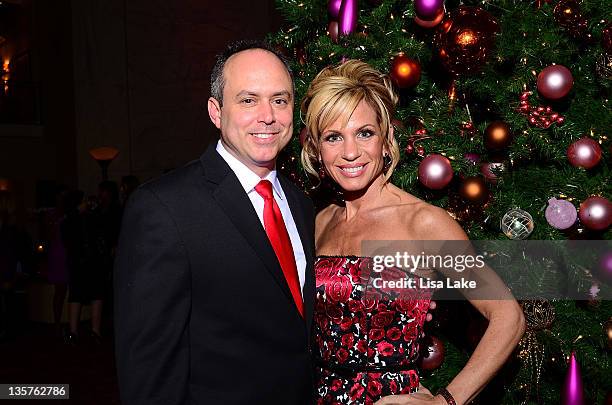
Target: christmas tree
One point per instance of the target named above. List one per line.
(503, 122)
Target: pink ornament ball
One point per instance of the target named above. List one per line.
(596, 213)
(435, 171)
(555, 82)
(585, 152)
(560, 214)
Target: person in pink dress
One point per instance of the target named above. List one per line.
(366, 339)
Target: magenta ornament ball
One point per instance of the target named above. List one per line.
(472, 157)
(560, 214)
(427, 9)
(596, 213)
(585, 152)
(333, 8)
(332, 31)
(555, 82)
(435, 171)
(573, 391)
(347, 17)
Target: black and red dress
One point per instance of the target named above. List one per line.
(366, 335)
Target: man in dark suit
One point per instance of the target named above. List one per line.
(214, 283)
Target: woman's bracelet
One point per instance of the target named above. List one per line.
(447, 396)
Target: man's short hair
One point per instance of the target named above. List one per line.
(217, 81)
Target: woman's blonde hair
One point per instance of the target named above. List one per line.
(335, 92)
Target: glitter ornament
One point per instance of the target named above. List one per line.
(465, 38)
(560, 214)
(517, 224)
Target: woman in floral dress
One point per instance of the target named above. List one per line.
(366, 337)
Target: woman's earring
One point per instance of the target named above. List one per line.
(321, 170)
(386, 161)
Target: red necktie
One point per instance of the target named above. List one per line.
(279, 238)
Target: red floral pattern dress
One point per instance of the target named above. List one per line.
(366, 338)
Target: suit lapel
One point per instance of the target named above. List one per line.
(232, 199)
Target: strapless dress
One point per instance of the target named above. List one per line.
(366, 337)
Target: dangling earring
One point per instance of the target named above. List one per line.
(321, 170)
(386, 162)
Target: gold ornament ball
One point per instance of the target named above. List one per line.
(405, 71)
(497, 136)
(474, 190)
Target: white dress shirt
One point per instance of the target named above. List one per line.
(248, 179)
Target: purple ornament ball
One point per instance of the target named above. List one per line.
(560, 214)
(555, 82)
(596, 213)
(605, 268)
(333, 8)
(435, 171)
(427, 9)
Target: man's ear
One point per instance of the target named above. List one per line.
(214, 111)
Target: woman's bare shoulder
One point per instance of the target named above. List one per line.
(434, 223)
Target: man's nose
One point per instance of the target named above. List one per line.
(266, 113)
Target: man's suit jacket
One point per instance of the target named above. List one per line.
(203, 314)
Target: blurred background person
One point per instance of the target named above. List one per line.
(93, 235)
(128, 185)
(57, 271)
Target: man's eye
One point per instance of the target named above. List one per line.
(248, 101)
(281, 101)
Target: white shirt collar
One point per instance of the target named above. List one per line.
(247, 178)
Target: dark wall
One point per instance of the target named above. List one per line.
(142, 71)
(133, 74)
(39, 47)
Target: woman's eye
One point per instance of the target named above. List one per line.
(332, 138)
(365, 134)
